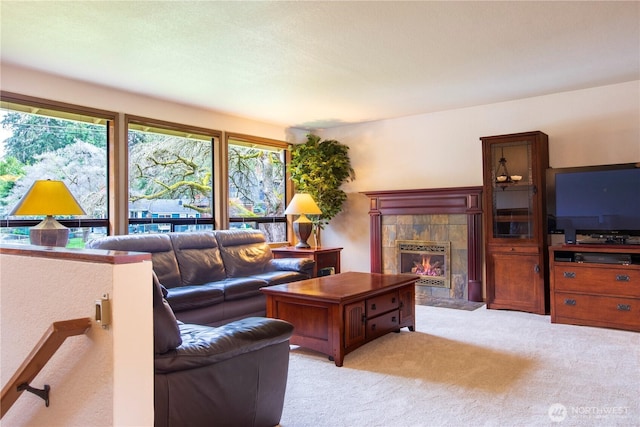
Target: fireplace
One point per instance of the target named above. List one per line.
(429, 260)
(439, 214)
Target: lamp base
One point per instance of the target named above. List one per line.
(49, 233)
(303, 231)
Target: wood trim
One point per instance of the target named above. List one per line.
(48, 104)
(116, 175)
(172, 126)
(474, 257)
(221, 183)
(458, 200)
(283, 145)
(52, 339)
(86, 255)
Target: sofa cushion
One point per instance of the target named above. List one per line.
(190, 297)
(244, 252)
(166, 334)
(165, 264)
(242, 287)
(198, 257)
(278, 277)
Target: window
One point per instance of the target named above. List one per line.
(170, 176)
(167, 177)
(257, 184)
(48, 140)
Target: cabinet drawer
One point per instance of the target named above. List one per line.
(624, 312)
(382, 324)
(382, 303)
(514, 249)
(614, 280)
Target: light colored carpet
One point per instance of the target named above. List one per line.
(473, 368)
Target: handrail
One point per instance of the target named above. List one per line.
(52, 339)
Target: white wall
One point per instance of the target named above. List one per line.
(101, 378)
(586, 127)
(56, 88)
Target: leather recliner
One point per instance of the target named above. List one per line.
(231, 375)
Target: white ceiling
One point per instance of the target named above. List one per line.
(317, 64)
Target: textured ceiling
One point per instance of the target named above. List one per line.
(318, 64)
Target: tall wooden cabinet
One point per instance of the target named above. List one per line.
(514, 169)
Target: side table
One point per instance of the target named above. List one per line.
(324, 257)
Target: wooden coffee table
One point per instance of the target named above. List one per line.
(338, 313)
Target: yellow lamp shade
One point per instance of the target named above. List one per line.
(46, 197)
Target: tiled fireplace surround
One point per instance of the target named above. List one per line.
(445, 214)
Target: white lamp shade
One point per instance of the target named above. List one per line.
(302, 204)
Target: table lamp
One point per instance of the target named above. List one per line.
(302, 204)
(47, 197)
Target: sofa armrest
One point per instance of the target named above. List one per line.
(205, 345)
(301, 265)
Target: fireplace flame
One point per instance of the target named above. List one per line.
(426, 268)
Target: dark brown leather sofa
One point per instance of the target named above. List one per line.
(212, 277)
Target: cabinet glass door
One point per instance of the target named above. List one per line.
(512, 190)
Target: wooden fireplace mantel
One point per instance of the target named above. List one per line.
(458, 200)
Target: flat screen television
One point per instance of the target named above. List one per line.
(600, 204)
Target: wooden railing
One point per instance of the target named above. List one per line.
(53, 338)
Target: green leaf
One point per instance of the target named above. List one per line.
(320, 168)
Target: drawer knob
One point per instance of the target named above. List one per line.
(373, 306)
(624, 307)
(569, 275)
(393, 319)
(622, 278)
(569, 301)
(393, 300)
(373, 327)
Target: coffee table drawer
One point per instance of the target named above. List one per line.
(382, 324)
(382, 304)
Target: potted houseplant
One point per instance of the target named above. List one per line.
(320, 168)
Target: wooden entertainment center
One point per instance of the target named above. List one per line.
(595, 285)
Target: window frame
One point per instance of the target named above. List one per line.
(178, 129)
(69, 111)
(117, 221)
(288, 189)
